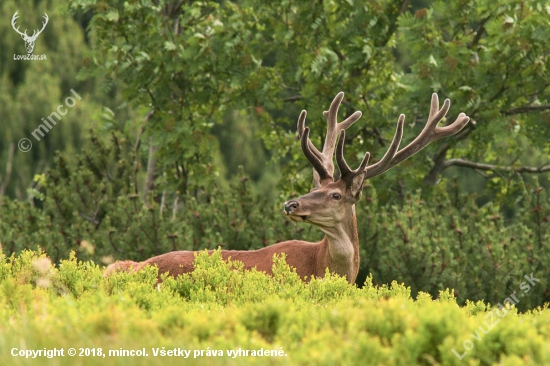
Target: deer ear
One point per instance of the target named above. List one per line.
(357, 185)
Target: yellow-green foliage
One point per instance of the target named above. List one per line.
(220, 307)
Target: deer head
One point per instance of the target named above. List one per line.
(332, 201)
(29, 40)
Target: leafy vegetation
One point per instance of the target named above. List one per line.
(185, 139)
(430, 242)
(220, 307)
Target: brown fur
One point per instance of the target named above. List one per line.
(301, 255)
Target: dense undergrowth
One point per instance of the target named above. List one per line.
(429, 240)
(221, 308)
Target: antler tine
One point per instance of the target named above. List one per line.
(46, 18)
(380, 167)
(346, 173)
(430, 132)
(333, 127)
(310, 148)
(301, 128)
(37, 32)
(13, 20)
(323, 175)
(332, 123)
(325, 157)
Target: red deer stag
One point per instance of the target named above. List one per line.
(330, 205)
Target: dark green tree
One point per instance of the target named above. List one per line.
(31, 91)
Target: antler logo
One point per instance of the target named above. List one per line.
(29, 40)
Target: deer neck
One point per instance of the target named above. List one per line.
(341, 248)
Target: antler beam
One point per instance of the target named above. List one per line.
(431, 132)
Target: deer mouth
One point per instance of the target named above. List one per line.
(298, 218)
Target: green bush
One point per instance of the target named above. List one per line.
(325, 322)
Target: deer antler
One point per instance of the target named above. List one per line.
(431, 132)
(346, 174)
(323, 161)
(24, 34)
(13, 19)
(43, 26)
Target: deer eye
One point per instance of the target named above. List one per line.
(336, 196)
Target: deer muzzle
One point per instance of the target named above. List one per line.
(290, 210)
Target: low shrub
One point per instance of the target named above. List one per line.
(220, 317)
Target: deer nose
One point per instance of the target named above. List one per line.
(291, 206)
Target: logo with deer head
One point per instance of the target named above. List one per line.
(29, 40)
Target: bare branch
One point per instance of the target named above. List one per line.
(142, 129)
(480, 166)
(526, 109)
(479, 32)
(293, 98)
(151, 164)
(151, 169)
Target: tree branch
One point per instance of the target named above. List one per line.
(151, 168)
(293, 98)
(151, 163)
(526, 109)
(479, 32)
(439, 165)
(480, 166)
